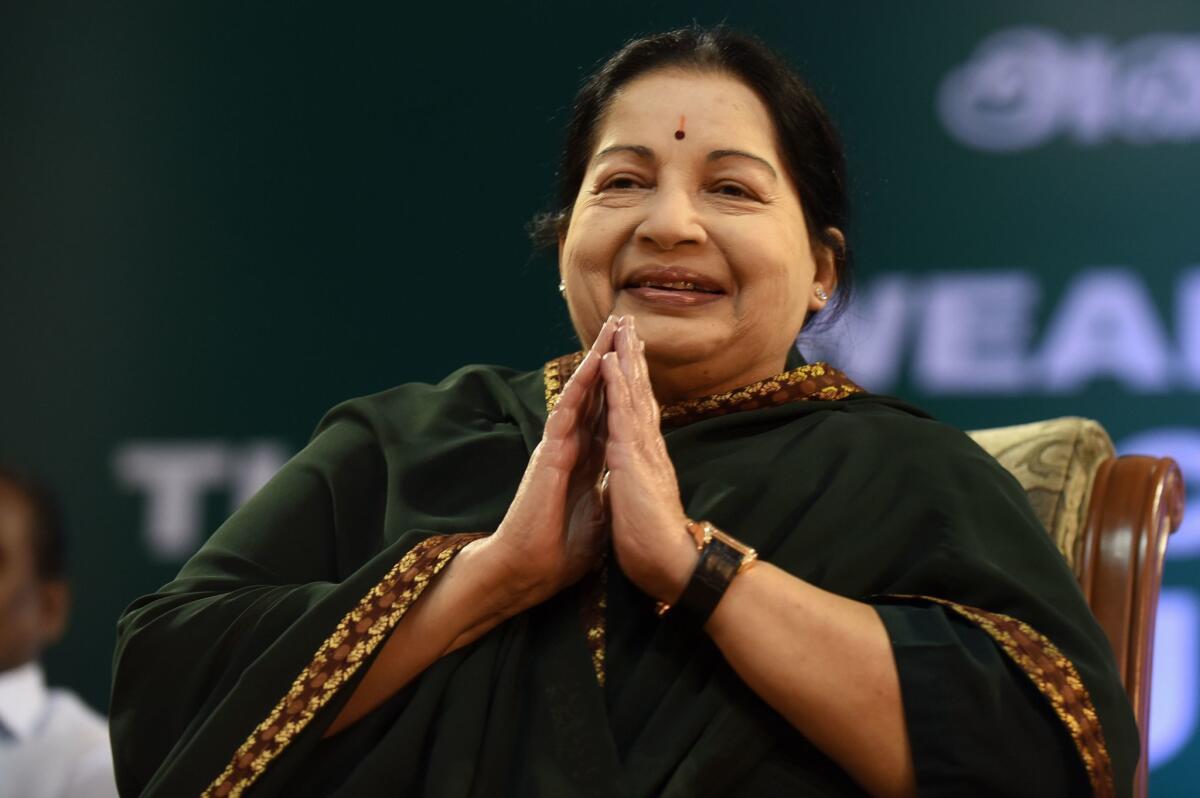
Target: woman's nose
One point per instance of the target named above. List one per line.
(671, 219)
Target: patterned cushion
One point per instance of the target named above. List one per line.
(1055, 461)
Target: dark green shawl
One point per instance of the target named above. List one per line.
(229, 674)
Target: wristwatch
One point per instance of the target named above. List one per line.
(704, 532)
(722, 557)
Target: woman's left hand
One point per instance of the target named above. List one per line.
(649, 530)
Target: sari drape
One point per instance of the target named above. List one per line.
(226, 678)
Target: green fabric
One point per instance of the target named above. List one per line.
(863, 497)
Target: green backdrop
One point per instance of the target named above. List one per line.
(217, 221)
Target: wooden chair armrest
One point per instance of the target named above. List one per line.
(1136, 503)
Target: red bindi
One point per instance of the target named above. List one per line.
(679, 134)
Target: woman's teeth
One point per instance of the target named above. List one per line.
(675, 286)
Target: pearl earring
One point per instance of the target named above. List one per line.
(562, 288)
(821, 295)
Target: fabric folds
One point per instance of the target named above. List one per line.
(861, 495)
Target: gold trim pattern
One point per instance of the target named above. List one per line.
(595, 606)
(815, 381)
(357, 635)
(554, 379)
(1055, 677)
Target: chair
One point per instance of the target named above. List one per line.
(1110, 517)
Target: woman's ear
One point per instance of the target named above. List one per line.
(562, 242)
(828, 253)
(562, 273)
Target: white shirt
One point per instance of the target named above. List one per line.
(52, 745)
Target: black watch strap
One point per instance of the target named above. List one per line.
(718, 564)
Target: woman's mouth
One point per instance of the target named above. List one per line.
(678, 293)
(673, 286)
(678, 285)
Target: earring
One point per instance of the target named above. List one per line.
(821, 295)
(562, 288)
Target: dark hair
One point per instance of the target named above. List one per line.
(49, 537)
(809, 142)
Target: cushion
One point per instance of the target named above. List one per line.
(1056, 462)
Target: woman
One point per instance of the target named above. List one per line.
(454, 592)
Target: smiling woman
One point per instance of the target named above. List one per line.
(657, 219)
(750, 208)
(496, 585)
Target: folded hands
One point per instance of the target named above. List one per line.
(601, 472)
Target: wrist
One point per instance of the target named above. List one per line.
(505, 588)
(721, 557)
(664, 570)
(679, 566)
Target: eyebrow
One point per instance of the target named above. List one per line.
(716, 155)
(636, 149)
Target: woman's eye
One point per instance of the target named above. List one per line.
(731, 190)
(619, 183)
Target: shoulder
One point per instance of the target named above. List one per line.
(69, 756)
(471, 397)
(79, 736)
(893, 442)
(901, 429)
(69, 717)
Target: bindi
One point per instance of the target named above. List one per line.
(679, 134)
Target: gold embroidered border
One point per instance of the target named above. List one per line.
(357, 635)
(1056, 678)
(555, 375)
(595, 605)
(815, 381)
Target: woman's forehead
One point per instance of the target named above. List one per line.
(715, 110)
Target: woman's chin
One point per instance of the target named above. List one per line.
(676, 342)
(678, 336)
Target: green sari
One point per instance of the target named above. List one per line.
(226, 678)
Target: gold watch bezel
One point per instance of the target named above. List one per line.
(707, 532)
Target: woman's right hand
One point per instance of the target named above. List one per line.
(556, 528)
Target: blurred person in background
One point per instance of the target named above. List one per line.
(51, 743)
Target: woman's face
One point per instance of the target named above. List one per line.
(699, 236)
